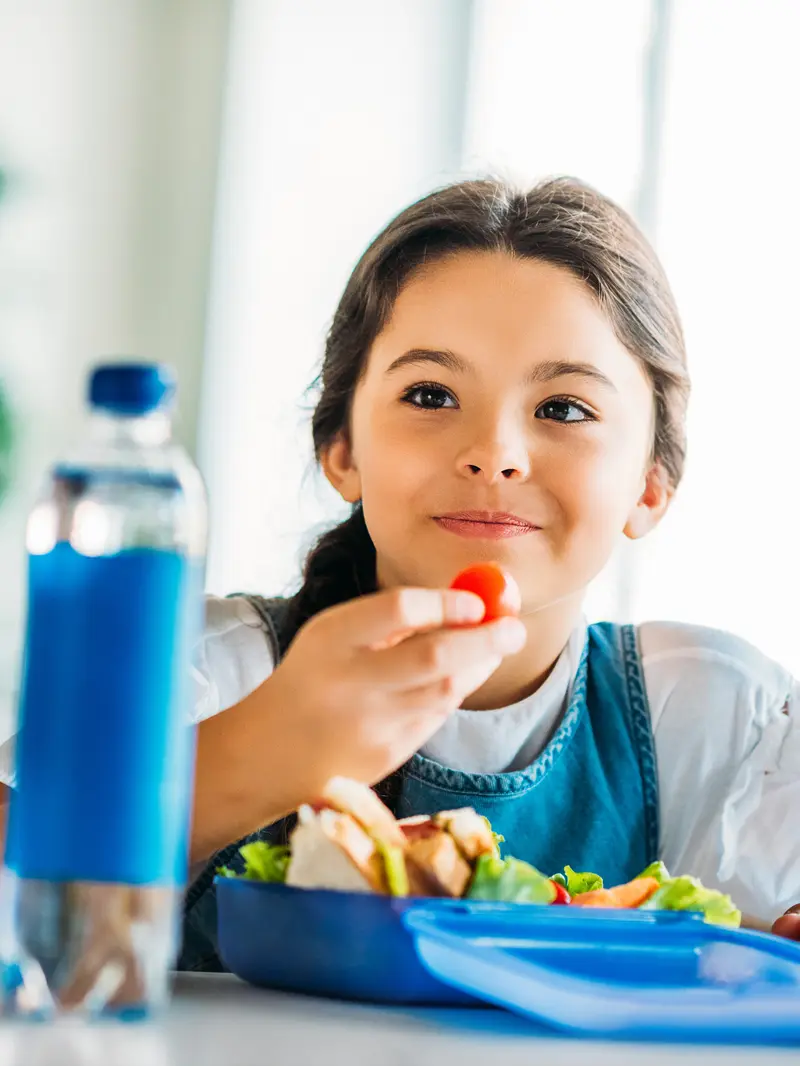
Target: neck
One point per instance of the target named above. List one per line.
(520, 675)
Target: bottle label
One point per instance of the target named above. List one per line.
(105, 745)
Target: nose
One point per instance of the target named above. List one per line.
(498, 453)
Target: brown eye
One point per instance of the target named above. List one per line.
(563, 411)
(429, 397)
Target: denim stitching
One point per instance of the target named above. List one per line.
(642, 724)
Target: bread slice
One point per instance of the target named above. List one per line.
(366, 807)
(330, 850)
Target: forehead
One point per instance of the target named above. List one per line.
(505, 308)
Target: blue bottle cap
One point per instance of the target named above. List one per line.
(131, 389)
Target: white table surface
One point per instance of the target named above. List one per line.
(218, 1021)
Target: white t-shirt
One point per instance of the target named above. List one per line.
(726, 723)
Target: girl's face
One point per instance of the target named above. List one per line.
(499, 418)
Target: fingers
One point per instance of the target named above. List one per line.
(788, 925)
(425, 709)
(458, 654)
(446, 694)
(375, 620)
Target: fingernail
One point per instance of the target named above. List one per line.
(466, 607)
(509, 635)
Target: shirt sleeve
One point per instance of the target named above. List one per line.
(231, 659)
(726, 723)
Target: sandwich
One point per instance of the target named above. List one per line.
(350, 841)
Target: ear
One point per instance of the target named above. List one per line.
(338, 466)
(652, 505)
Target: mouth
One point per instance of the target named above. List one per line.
(486, 525)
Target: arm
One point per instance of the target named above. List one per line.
(727, 729)
(245, 777)
(773, 821)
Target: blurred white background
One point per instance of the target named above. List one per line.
(192, 180)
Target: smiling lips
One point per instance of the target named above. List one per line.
(486, 525)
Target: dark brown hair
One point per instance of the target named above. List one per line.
(561, 221)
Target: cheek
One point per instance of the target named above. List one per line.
(593, 492)
(596, 482)
(395, 464)
(397, 472)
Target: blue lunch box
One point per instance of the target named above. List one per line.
(647, 975)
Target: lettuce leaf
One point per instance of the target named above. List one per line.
(262, 862)
(688, 894)
(657, 870)
(581, 882)
(509, 880)
(394, 863)
(498, 839)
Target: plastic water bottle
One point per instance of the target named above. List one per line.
(97, 849)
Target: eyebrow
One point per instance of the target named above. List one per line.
(418, 356)
(559, 368)
(548, 370)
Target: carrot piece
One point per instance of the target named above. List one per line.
(635, 893)
(627, 897)
(598, 897)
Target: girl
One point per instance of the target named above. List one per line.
(504, 379)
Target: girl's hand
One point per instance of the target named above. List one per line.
(361, 688)
(788, 925)
(366, 683)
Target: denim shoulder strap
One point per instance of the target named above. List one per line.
(273, 613)
(619, 643)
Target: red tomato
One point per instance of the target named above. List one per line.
(562, 896)
(497, 588)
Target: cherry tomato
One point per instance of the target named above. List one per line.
(562, 896)
(497, 588)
